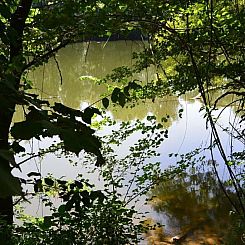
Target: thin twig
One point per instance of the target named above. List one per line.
(46, 55)
(59, 70)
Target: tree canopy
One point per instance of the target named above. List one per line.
(193, 44)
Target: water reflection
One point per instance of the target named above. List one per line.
(167, 106)
(82, 59)
(212, 96)
(96, 60)
(193, 207)
(187, 205)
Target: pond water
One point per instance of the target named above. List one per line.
(176, 205)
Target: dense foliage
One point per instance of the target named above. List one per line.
(193, 45)
(196, 45)
(86, 216)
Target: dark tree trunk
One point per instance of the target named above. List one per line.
(6, 210)
(6, 114)
(6, 204)
(7, 100)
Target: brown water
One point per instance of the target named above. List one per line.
(183, 211)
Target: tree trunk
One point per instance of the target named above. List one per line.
(6, 210)
(7, 100)
(6, 203)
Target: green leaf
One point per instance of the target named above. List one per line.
(3, 35)
(5, 10)
(62, 209)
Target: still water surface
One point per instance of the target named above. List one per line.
(176, 206)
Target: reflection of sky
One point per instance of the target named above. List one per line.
(191, 132)
(185, 135)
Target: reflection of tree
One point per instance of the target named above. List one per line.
(82, 60)
(19, 114)
(93, 59)
(166, 106)
(212, 96)
(192, 202)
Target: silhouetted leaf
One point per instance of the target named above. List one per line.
(26, 130)
(5, 10)
(85, 198)
(49, 181)
(9, 185)
(100, 161)
(38, 186)
(33, 174)
(79, 184)
(9, 156)
(89, 113)
(122, 99)
(69, 205)
(105, 102)
(36, 115)
(134, 85)
(47, 222)
(115, 95)
(97, 195)
(67, 111)
(17, 148)
(62, 209)
(126, 91)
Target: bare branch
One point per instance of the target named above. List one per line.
(58, 67)
(48, 54)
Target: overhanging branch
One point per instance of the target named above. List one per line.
(45, 56)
